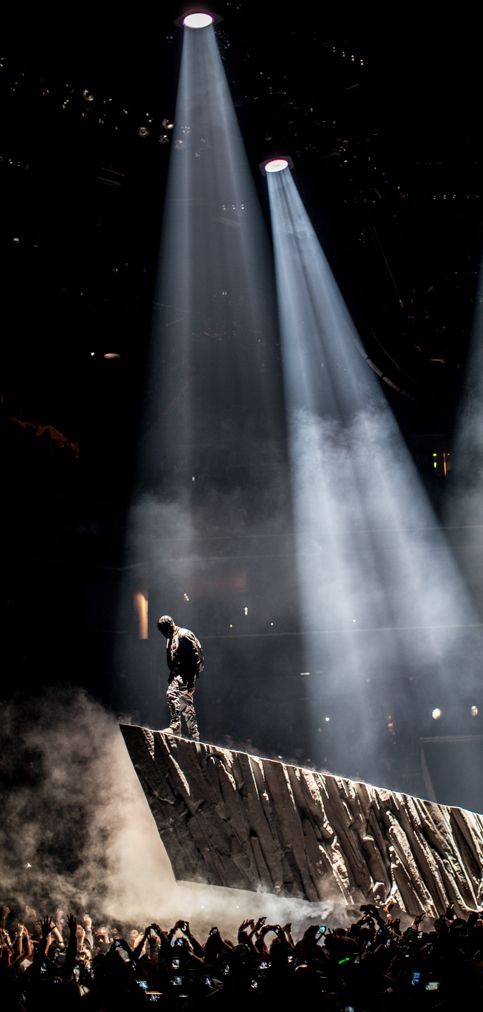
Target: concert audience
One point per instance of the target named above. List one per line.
(62, 962)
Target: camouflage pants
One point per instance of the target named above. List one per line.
(180, 703)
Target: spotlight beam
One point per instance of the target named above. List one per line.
(212, 455)
(352, 481)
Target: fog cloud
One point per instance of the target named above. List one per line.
(77, 830)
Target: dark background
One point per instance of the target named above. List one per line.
(383, 127)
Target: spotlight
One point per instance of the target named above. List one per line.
(195, 17)
(277, 164)
(198, 20)
(436, 713)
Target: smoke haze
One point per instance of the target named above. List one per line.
(77, 830)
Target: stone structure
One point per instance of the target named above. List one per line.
(232, 819)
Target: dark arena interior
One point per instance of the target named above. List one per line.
(241, 386)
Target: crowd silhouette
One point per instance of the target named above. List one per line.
(59, 961)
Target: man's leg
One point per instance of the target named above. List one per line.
(187, 708)
(173, 699)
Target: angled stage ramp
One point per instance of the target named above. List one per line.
(231, 819)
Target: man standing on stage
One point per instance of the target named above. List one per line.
(185, 662)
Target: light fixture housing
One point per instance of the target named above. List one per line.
(276, 163)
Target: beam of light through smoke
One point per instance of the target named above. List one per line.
(212, 362)
(380, 591)
(464, 505)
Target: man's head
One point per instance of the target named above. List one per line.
(166, 626)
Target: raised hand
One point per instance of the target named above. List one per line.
(243, 936)
(46, 926)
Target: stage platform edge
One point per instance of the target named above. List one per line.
(228, 818)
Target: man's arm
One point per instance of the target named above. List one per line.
(71, 951)
(191, 657)
(195, 945)
(46, 925)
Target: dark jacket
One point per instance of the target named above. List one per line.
(184, 656)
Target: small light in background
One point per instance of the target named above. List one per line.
(186, 597)
(474, 711)
(245, 610)
(141, 613)
(436, 713)
(111, 354)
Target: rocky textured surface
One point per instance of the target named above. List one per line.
(232, 819)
